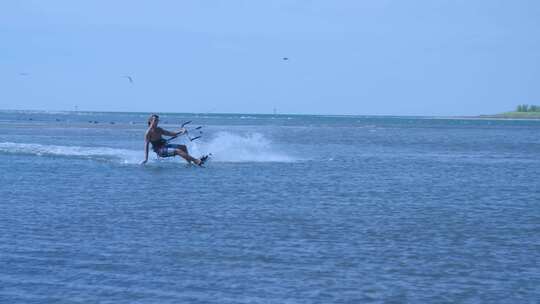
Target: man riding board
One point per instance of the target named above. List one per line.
(161, 147)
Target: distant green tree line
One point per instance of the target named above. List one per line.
(527, 108)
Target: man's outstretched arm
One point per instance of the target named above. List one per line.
(146, 148)
(169, 133)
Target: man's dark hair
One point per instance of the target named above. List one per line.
(150, 118)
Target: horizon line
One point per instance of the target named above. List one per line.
(245, 113)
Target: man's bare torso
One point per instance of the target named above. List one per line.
(154, 134)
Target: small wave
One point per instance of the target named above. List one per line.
(40, 112)
(97, 153)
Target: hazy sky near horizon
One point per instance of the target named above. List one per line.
(430, 57)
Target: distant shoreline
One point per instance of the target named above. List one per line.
(483, 117)
(514, 115)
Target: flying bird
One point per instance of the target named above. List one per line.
(129, 78)
(23, 74)
(285, 58)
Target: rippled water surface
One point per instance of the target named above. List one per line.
(291, 209)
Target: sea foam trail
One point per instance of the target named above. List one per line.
(230, 147)
(97, 153)
(224, 146)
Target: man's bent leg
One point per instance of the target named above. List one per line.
(183, 148)
(180, 152)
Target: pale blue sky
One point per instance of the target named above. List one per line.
(345, 57)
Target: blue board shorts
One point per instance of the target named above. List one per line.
(167, 150)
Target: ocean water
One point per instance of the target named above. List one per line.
(290, 209)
